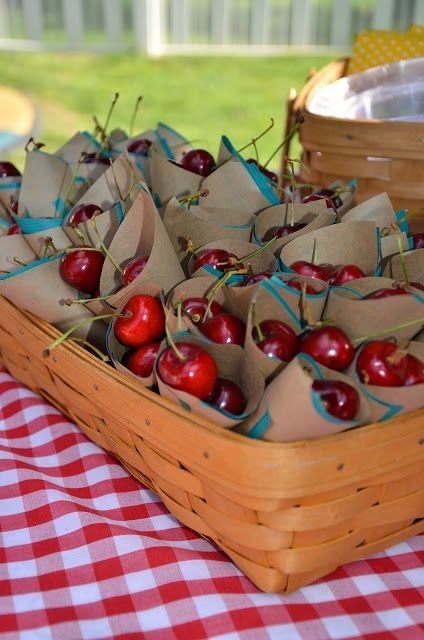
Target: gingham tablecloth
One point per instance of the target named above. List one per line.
(87, 553)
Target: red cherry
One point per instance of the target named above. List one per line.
(333, 201)
(280, 341)
(145, 321)
(297, 284)
(344, 274)
(133, 268)
(418, 240)
(7, 169)
(194, 372)
(287, 229)
(417, 285)
(218, 259)
(382, 363)
(94, 156)
(141, 360)
(330, 204)
(140, 147)
(198, 161)
(271, 175)
(386, 293)
(339, 398)
(228, 397)
(82, 268)
(305, 268)
(13, 229)
(195, 308)
(414, 371)
(82, 213)
(329, 346)
(224, 329)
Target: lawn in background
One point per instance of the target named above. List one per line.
(202, 97)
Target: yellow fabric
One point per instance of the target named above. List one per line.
(373, 48)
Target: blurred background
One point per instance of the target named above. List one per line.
(205, 67)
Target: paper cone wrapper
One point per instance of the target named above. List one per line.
(116, 350)
(5, 223)
(85, 174)
(347, 243)
(388, 402)
(81, 142)
(377, 318)
(233, 363)
(38, 288)
(141, 161)
(389, 246)
(378, 209)
(226, 216)
(177, 144)
(263, 261)
(9, 191)
(142, 233)
(414, 262)
(291, 410)
(347, 197)
(182, 223)
(45, 183)
(314, 214)
(419, 337)
(168, 179)
(37, 241)
(107, 224)
(12, 247)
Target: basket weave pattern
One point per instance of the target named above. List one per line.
(286, 514)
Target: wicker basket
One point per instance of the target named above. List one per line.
(382, 155)
(286, 514)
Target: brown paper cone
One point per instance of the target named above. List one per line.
(233, 363)
(290, 409)
(168, 179)
(314, 214)
(387, 402)
(107, 224)
(263, 261)
(175, 142)
(378, 209)
(419, 337)
(182, 223)
(41, 245)
(389, 245)
(377, 318)
(346, 197)
(347, 243)
(227, 216)
(81, 142)
(9, 191)
(12, 247)
(414, 262)
(142, 233)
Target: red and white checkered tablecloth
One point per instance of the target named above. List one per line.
(88, 553)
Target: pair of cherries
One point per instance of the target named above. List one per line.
(330, 273)
(214, 321)
(382, 363)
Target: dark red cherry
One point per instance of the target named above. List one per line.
(387, 292)
(141, 361)
(287, 229)
(224, 328)
(271, 175)
(418, 240)
(279, 339)
(198, 161)
(305, 268)
(414, 371)
(195, 307)
(7, 169)
(14, 205)
(382, 363)
(133, 268)
(329, 346)
(83, 212)
(94, 156)
(190, 369)
(297, 284)
(344, 274)
(81, 268)
(140, 147)
(218, 259)
(13, 229)
(339, 398)
(228, 397)
(142, 321)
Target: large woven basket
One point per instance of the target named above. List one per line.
(286, 514)
(382, 155)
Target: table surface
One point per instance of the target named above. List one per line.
(86, 552)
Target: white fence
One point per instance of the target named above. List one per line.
(160, 27)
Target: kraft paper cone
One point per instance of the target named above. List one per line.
(314, 214)
(263, 261)
(233, 363)
(389, 246)
(142, 233)
(291, 410)
(141, 161)
(81, 142)
(9, 191)
(419, 337)
(378, 209)
(45, 185)
(414, 262)
(115, 349)
(360, 318)
(387, 402)
(168, 179)
(38, 288)
(41, 245)
(347, 243)
(227, 216)
(107, 224)
(182, 223)
(346, 197)
(12, 247)
(177, 144)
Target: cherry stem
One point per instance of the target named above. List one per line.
(217, 286)
(36, 146)
(254, 140)
(104, 128)
(304, 307)
(103, 246)
(255, 148)
(49, 244)
(255, 253)
(190, 246)
(97, 351)
(314, 252)
(19, 262)
(134, 114)
(80, 234)
(192, 197)
(97, 127)
(287, 139)
(79, 325)
(70, 301)
(398, 327)
(172, 343)
(401, 253)
(256, 324)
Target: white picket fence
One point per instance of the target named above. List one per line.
(161, 27)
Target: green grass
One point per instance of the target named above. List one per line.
(202, 97)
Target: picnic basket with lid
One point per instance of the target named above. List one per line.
(285, 513)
